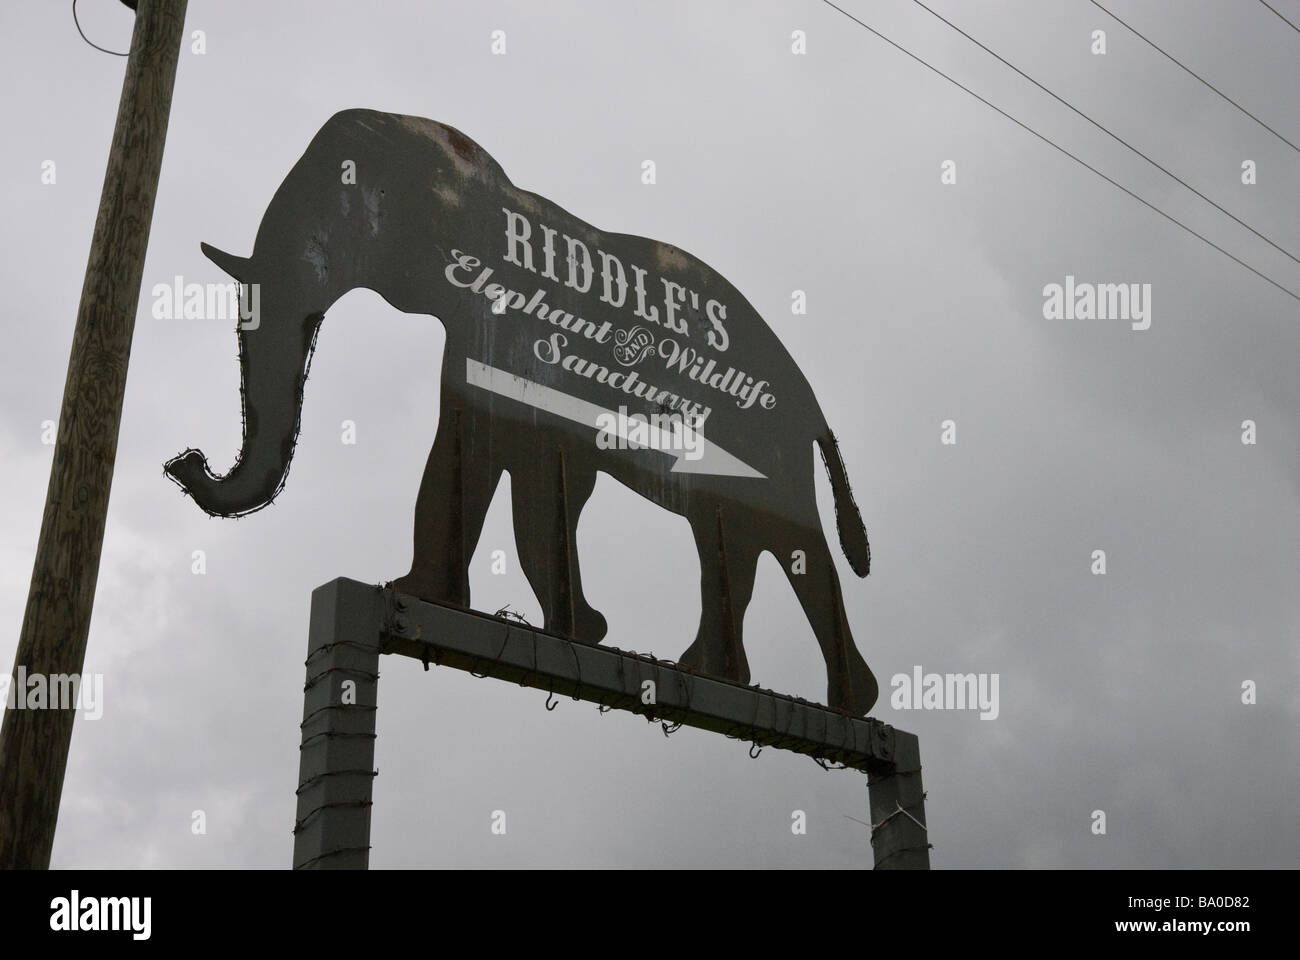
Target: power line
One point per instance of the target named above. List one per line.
(1153, 46)
(87, 39)
(1024, 126)
(1118, 139)
(1282, 18)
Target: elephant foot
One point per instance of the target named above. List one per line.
(692, 659)
(858, 692)
(590, 626)
(425, 586)
(696, 660)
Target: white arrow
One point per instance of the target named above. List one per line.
(709, 458)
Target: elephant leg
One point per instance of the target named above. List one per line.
(728, 565)
(452, 504)
(851, 686)
(547, 498)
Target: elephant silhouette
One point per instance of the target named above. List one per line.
(569, 351)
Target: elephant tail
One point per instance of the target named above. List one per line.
(853, 534)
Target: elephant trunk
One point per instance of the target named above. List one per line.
(274, 356)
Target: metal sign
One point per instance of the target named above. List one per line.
(569, 350)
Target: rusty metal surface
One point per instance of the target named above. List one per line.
(569, 351)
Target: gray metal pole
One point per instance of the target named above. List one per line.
(353, 623)
(899, 837)
(34, 744)
(336, 764)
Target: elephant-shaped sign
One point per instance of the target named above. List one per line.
(569, 351)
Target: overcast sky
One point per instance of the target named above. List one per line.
(819, 172)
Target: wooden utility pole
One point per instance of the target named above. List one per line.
(34, 743)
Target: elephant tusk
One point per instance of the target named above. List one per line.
(238, 267)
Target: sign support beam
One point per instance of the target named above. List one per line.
(352, 623)
(337, 755)
(899, 837)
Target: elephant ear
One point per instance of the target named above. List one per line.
(238, 267)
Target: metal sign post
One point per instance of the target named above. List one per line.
(353, 623)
